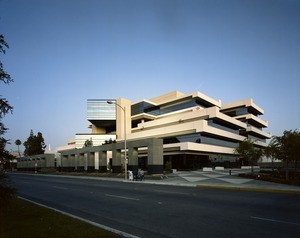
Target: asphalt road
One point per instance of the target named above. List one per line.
(146, 210)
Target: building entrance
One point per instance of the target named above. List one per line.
(187, 161)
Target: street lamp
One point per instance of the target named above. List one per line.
(125, 154)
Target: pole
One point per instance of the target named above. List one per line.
(125, 145)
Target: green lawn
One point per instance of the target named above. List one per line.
(23, 219)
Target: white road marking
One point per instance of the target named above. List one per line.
(273, 220)
(63, 188)
(128, 198)
(170, 192)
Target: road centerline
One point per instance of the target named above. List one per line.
(63, 188)
(122, 197)
(171, 192)
(273, 220)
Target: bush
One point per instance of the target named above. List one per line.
(276, 176)
(168, 166)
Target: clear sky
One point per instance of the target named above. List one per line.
(63, 52)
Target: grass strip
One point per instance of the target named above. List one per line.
(24, 219)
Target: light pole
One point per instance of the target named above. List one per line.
(125, 146)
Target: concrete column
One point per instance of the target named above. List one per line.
(102, 161)
(155, 156)
(91, 161)
(60, 163)
(86, 155)
(76, 162)
(133, 158)
(124, 103)
(58, 160)
(96, 160)
(81, 164)
(116, 160)
(63, 160)
(72, 162)
(66, 162)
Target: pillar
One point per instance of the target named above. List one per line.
(76, 162)
(102, 161)
(91, 161)
(85, 161)
(133, 162)
(81, 164)
(116, 159)
(124, 103)
(155, 156)
(71, 162)
(96, 160)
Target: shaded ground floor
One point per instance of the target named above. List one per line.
(194, 161)
(88, 163)
(148, 154)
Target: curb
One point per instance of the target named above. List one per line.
(115, 231)
(265, 190)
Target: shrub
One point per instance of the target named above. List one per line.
(168, 166)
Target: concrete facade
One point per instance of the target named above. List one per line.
(38, 162)
(95, 159)
(191, 131)
(197, 130)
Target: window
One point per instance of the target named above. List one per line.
(99, 109)
(200, 138)
(145, 107)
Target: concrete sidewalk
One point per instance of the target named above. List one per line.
(222, 180)
(214, 180)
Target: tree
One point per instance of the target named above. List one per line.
(110, 141)
(288, 148)
(271, 151)
(29, 144)
(34, 145)
(249, 152)
(40, 143)
(88, 143)
(18, 143)
(6, 193)
(5, 107)
(4, 154)
(4, 77)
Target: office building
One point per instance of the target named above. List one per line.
(185, 131)
(196, 130)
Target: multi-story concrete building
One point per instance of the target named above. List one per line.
(190, 131)
(102, 117)
(196, 129)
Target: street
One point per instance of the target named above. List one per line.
(146, 210)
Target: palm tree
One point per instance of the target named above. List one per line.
(18, 143)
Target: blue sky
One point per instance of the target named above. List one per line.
(63, 52)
